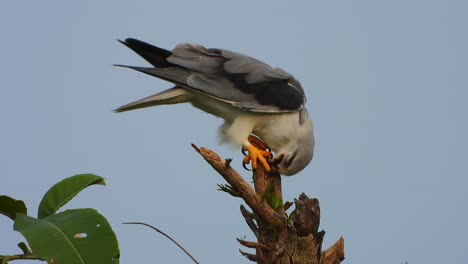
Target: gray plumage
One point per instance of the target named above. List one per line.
(250, 95)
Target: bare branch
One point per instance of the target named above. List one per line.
(251, 257)
(259, 206)
(334, 254)
(250, 244)
(249, 220)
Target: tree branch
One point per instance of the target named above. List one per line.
(258, 206)
(280, 239)
(249, 220)
(334, 254)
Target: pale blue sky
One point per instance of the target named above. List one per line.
(387, 87)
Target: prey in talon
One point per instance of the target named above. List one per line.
(251, 97)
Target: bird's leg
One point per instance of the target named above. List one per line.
(258, 143)
(257, 151)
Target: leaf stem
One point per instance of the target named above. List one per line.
(166, 235)
(5, 259)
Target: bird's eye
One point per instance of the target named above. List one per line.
(289, 161)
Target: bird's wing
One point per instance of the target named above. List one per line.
(231, 77)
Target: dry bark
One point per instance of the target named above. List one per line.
(280, 239)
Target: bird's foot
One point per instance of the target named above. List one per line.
(256, 155)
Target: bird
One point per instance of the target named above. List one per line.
(263, 107)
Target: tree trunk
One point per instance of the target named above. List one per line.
(281, 239)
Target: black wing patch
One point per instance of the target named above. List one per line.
(279, 93)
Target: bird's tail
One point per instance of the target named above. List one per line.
(152, 54)
(174, 95)
(158, 58)
(163, 70)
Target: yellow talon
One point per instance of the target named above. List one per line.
(254, 155)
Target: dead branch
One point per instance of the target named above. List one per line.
(280, 239)
(259, 207)
(334, 254)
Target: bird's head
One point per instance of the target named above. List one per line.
(295, 156)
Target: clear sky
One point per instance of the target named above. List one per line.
(387, 88)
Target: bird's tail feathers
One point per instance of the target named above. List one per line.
(152, 54)
(178, 76)
(175, 95)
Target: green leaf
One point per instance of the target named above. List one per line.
(10, 207)
(24, 248)
(72, 236)
(292, 215)
(275, 202)
(64, 191)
